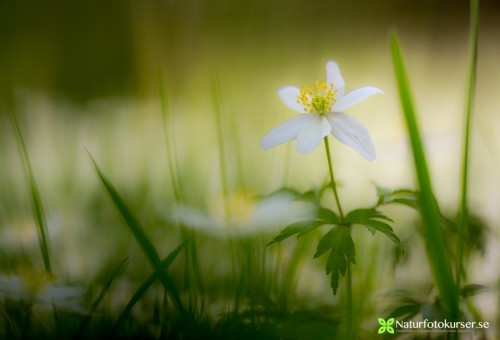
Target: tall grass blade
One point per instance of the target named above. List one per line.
(433, 233)
(36, 201)
(216, 99)
(172, 161)
(141, 238)
(471, 86)
(86, 321)
(192, 265)
(145, 286)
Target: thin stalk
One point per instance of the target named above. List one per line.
(471, 86)
(97, 301)
(292, 270)
(171, 159)
(216, 98)
(173, 167)
(332, 178)
(351, 332)
(36, 200)
(236, 149)
(350, 312)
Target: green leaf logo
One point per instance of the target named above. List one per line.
(386, 326)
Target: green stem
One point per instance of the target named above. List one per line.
(332, 178)
(351, 332)
(349, 308)
(216, 98)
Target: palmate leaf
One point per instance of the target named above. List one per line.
(311, 196)
(323, 216)
(341, 246)
(370, 218)
(401, 196)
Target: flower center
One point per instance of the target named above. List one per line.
(239, 206)
(318, 100)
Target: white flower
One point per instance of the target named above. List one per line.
(320, 108)
(242, 214)
(38, 287)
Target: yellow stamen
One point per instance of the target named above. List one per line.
(318, 100)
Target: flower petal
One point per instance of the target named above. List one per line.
(289, 95)
(334, 76)
(284, 132)
(311, 133)
(354, 97)
(352, 133)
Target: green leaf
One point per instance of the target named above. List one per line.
(368, 218)
(364, 214)
(327, 216)
(323, 216)
(406, 197)
(383, 228)
(299, 228)
(336, 266)
(339, 241)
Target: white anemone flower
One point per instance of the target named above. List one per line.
(320, 109)
(242, 214)
(38, 287)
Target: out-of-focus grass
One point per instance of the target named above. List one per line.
(36, 201)
(433, 234)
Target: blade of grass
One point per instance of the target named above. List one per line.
(169, 140)
(141, 238)
(86, 321)
(433, 233)
(36, 201)
(145, 286)
(216, 99)
(471, 86)
(192, 265)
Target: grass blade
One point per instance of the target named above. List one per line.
(36, 201)
(145, 286)
(433, 233)
(169, 140)
(471, 86)
(217, 103)
(141, 238)
(192, 266)
(86, 321)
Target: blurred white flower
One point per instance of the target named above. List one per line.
(322, 106)
(37, 287)
(243, 214)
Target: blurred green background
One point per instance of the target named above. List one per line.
(84, 76)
